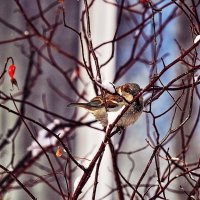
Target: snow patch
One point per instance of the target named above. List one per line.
(197, 39)
(44, 140)
(107, 85)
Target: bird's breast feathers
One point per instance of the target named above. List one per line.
(129, 117)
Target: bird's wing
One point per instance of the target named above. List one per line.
(96, 102)
(114, 102)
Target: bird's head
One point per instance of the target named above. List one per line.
(129, 90)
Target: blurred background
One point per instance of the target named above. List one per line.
(133, 42)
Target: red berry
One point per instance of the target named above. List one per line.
(143, 1)
(11, 71)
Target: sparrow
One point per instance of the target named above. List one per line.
(102, 107)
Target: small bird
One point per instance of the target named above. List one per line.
(101, 108)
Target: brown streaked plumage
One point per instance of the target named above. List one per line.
(114, 102)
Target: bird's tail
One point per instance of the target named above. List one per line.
(82, 105)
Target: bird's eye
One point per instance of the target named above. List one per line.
(127, 89)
